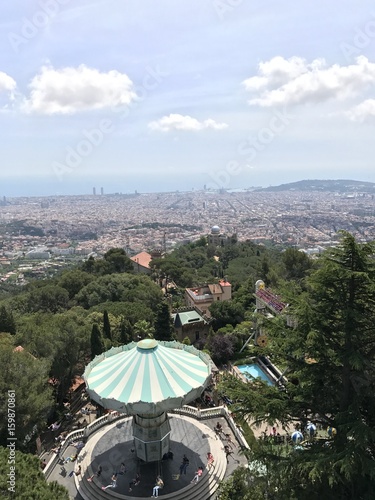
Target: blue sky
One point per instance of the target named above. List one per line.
(177, 94)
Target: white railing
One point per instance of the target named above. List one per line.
(217, 411)
(80, 434)
(188, 411)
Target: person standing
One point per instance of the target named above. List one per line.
(229, 440)
(184, 465)
(229, 452)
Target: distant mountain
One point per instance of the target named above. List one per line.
(337, 186)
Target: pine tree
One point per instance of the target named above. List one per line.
(106, 326)
(163, 323)
(330, 356)
(340, 338)
(97, 345)
(30, 480)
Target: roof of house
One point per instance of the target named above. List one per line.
(19, 348)
(215, 288)
(142, 258)
(224, 283)
(187, 317)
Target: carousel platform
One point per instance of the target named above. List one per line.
(113, 444)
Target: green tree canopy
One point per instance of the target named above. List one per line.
(331, 378)
(143, 329)
(126, 332)
(114, 261)
(221, 347)
(7, 323)
(30, 481)
(49, 298)
(73, 281)
(28, 378)
(61, 339)
(297, 264)
(118, 261)
(120, 287)
(226, 312)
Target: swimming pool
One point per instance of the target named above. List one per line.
(253, 370)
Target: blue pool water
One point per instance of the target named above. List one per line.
(253, 370)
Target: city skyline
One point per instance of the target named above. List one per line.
(136, 96)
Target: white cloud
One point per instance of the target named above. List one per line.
(7, 84)
(294, 81)
(180, 122)
(71, 90)
(363, 112)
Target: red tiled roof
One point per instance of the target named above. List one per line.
(76, 383)
(142, 258)
(224, 283)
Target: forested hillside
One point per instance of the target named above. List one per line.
(328, 360)
(63, 323)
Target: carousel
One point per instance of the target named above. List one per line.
(146, 380)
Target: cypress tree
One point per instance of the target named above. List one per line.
(163, 323)
(106, 326)
(126, 332)
(97, 345)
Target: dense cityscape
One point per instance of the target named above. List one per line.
(187, 248)
(40, 233)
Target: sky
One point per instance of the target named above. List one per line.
(180, 94)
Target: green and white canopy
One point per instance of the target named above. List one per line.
(148, 377)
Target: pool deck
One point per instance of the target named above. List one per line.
(255, 371)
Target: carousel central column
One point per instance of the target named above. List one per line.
(151, 436)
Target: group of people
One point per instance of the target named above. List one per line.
(159, 483)
(219, 431)
(113, 484)
(198, 473)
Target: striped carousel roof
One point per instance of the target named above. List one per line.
(147, 376)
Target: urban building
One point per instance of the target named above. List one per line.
(203, 296)
(190, 322)
(141, 262)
